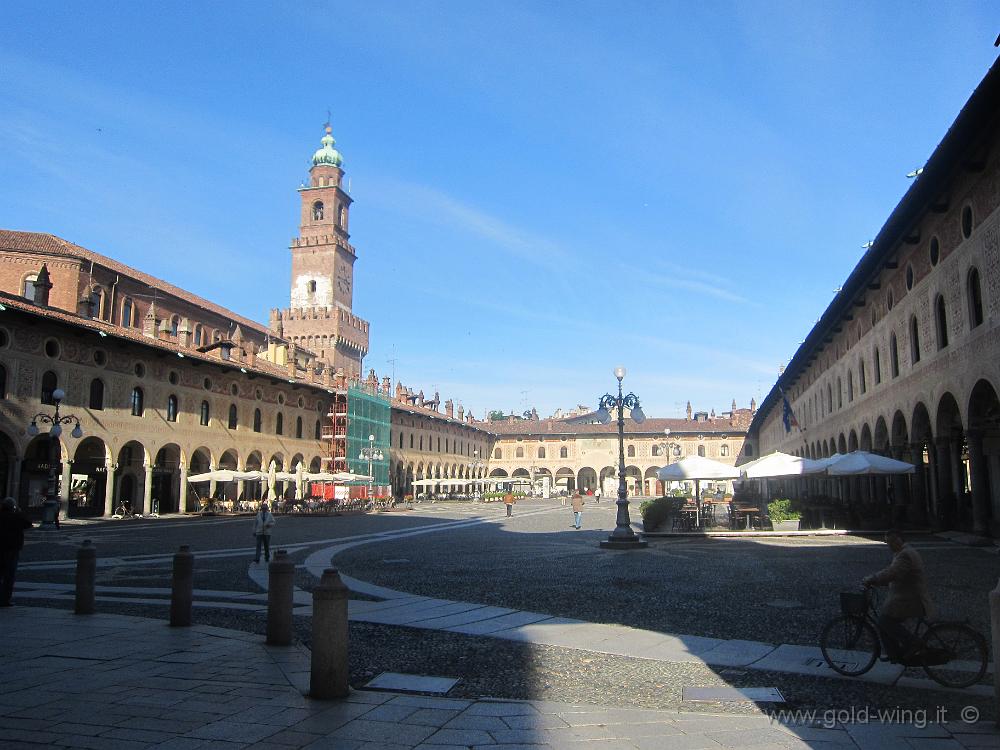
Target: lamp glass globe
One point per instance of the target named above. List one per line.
(603, 416)
(32, 429)
(77, 432)
(55, 431)
(620, 372)
(58, 394)
(638, 416)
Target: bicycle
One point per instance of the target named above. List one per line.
(124, 510)
(951, 653)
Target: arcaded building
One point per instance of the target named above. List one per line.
(905, 360)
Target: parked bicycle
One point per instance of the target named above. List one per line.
(951, 652)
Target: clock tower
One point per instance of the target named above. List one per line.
(320, 316)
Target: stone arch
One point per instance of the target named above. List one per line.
(566, 479)
(8, 460)
(89, 477)
(279, 462)
(852, 440)
(608, 472)
(254, 462)
(297, 459)
(899, 435)
(521, 473)
(166, 478)
(133, 459)
(865, 441)
(841, 444)
(499, 473)
(586, 479)
(633, 480)
(880, 440)
(826, 449)
(983, 441)
(315, 464)
(950, 469)
(651, 484)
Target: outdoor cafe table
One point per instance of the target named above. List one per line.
(747, 512)
(688, 515)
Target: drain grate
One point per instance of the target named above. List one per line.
(847, 666)
(412, 683)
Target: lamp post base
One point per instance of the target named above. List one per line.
(635, 543)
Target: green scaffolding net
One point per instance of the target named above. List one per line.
(368, 415)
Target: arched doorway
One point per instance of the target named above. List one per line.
(131, 477)
(89, 478)
(983, 440)
(315, 465)
(609, 481)
(8, 459)
(565, 480)
(167, 479)
(40, 456)
(586, 479)
(653, 485)
(633, 480)
(954, 508)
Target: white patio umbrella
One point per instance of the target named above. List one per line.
(779, 464)
(225, 475)
(697, 468)
(299, 481)
(346, 476)
(859, 463)
(272, 479)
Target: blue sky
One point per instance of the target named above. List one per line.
(543, 190)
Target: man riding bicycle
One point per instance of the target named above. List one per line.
(908, 596)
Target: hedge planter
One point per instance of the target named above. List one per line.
(791, 525)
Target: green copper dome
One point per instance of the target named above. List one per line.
(328, 154)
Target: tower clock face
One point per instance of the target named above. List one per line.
(343, 280)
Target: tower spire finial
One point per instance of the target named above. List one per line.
(326, 125)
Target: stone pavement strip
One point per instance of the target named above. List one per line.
(112, 681)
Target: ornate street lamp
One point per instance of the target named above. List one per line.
(475, 465)
(668, 449)
(50, 508)
(371, 454)
(622, 537)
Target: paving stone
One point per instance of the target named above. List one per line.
(978, 740)
(519, 736)
(381, 731)
(100, 743)
(677, 742)
(390, 712)
(290, 737)
(754, 737)
(934, 743)
(426, 702)
(462, 737)
(431, 717)
(332, 718)
(489, 708)
(233, 731)
(534, 721)
(181, 743)
(476, 721)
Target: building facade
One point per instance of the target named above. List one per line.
(320, 316)
(906, 359)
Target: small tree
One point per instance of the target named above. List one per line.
(496, 415)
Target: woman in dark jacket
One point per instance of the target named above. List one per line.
(12, 526)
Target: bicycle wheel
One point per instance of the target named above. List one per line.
(954, 654)
(850, 645)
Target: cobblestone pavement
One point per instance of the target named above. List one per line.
(71, 681)
(533, 561)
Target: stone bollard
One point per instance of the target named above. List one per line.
(328, 673)
(995, 627)
(280, 587)
(181, 592)
(86, 570)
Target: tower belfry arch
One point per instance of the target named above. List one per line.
(320, 315)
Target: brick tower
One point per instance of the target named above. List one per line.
(319, 317)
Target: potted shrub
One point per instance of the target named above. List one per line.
(655, 512)
(783, 517)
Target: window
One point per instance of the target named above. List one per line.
(439, 445)
(199, 334)
(343, 217)
(701, 451)
(914, 340)
(941, 321)
(893, 356)
(497, 453)
(3, 382)
(541, 452)
(318, 211)
(935, 251)
(878, 367)
(630, 451)
(298, 431)
(29, 286)
(96, 303)
(171, 408)
(138, 406)
(49, 385)
(232, 417)
(256, 420)
(862, 380)
(724, 451)
(975, 293)
(967, 222)
(519, 453)
(850, 386)
(655, 450)
(421, 442)
(411, 441)
(319, 430)
(748, 450)
(128, 313)
(311, 286)
(564, 452)
(205, 414)
(909, 277)
(279, 424)
(829, 399)
(840, 394)
(889, 300)
(97, 394)
(174, 325)
(401, 441)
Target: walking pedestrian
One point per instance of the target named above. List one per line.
(12, 526)
(263, 522)
(577, 503)
(509, 501)
(597, 495)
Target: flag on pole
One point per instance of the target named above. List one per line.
(787, 415)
